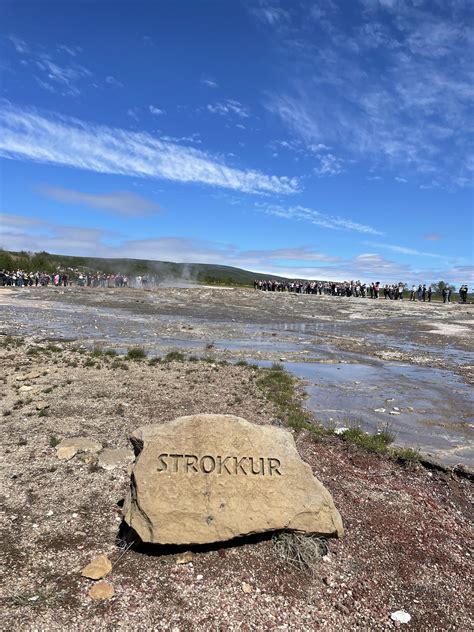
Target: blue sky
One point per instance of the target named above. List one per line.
(316, 139)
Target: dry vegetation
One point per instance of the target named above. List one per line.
(407, 529)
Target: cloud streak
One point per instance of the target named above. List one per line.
(54, 139)
(119, 202)
(302, 213)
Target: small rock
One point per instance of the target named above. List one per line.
(184, 558)
(342, 608)
(32, 375)
(75, 445)
(394, 412)
(101, 590)
(98, 568)
(199, 577)
(109, 459)
(246, 588)
(50, 513)
(401, 616)
(25, 389)
(379, 410)
(42, 405)
(65, 453)
(396, 408)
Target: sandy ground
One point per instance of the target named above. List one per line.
(408, 529)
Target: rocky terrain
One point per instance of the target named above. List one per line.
(408, 529)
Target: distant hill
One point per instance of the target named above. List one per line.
(162, 271)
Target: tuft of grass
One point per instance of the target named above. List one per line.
(301, 551)
(48, 390)
(154, 361)
(89, 362)
(111, 353)
(10, 341)
(54, 348)
(6, 413)
(174, 356)
(54, 441)
(43, 412)
(241, 363)
(116, 364)
(136, 353)
(405, 455)
(378, 442)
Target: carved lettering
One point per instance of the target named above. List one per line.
(238, 464)
(176, 458)
(162, 464)
(208, 464)
(211, 464)
(274, 464)
(191, 460)
(222, 463)
(261, 469)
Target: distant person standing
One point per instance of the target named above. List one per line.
(413, 293)
(430, 292)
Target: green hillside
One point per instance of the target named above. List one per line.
(161, 270)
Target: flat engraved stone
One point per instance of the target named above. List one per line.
(209, 478)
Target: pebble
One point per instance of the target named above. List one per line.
(246, 588)
(199, 577)
(401, 616)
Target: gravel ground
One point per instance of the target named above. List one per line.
(407, 529)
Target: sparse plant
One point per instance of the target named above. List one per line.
(174, 356)
(301, 551)
(136, 353)
(43, 412)
(154, 361)
(54, 441)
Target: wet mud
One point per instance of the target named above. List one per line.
(374, 363)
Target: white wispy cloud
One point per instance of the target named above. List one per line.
(229, 107)
(65, 77)
(329, 165)
(118, 202)
(395, 89)
(302, 213)
(112, 81)
(404, 250)
(54, 139)
(156, 111)
(210, 83)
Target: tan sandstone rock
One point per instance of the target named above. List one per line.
(98, 568)
(101, 590)
(209, 478)
(68, 448)
(109, 459)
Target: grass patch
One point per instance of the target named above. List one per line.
(136, 353)
(53, 348)
(405, 455)
(116, 364)
(54, 441)
(154, 361)
(174, 356)
(378, 442)
(10, 341)
(279, 387)
(43, 412)
(301, 551)
(241, 363)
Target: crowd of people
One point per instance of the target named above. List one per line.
(394, 291)
(22, 278)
